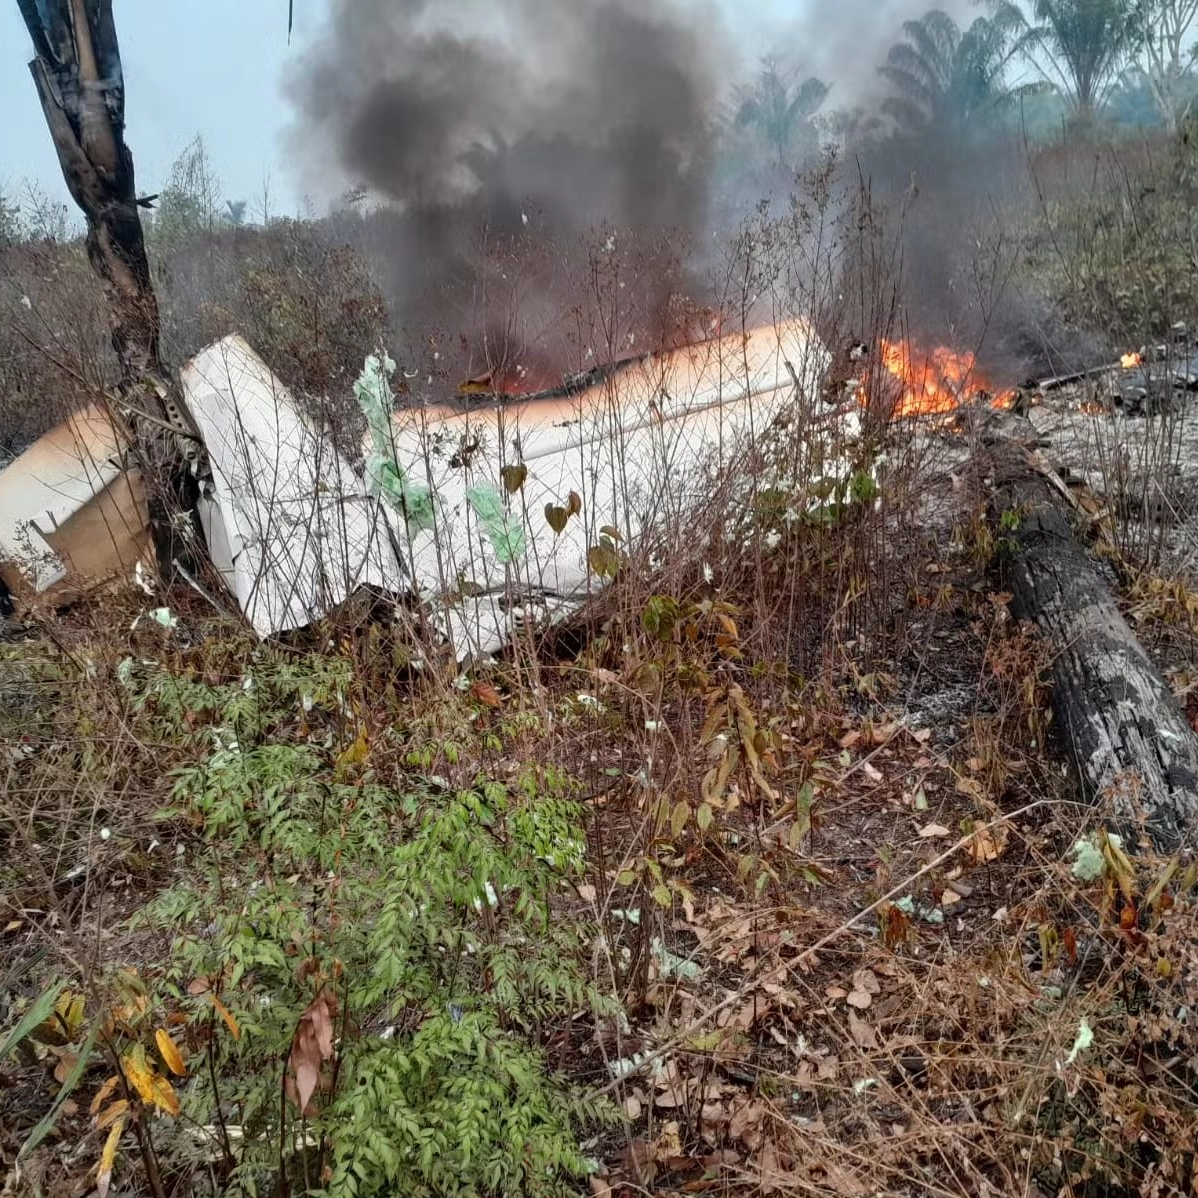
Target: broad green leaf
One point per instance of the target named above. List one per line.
(38, 1013)
(43, 1129)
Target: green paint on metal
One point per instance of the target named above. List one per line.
(385, 477)
(506, 538)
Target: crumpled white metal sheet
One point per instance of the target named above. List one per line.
(288, 522)
(632, 448)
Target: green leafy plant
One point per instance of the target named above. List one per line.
(372, 970)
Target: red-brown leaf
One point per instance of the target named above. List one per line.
(311, 1046)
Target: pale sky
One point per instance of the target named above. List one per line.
(211, 67)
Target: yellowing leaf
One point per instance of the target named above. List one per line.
(679, 817)
(138, 1073)
(603, 560)
(356, 753)
(112, 1113)
(1120, 866)
(69, 1009)
(164, 1096)
(556, 517)
(227, 1016)
(704, 817)
(62, 1021)
(169, 1051)
(103, 1094)
(108, 1158)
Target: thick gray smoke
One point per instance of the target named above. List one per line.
(506, 133)
(594, 111)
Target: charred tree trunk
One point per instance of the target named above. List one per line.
(77, 71)
(1115, 714)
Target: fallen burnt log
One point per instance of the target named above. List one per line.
(1116, 716)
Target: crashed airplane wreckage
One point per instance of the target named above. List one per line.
(513, 507)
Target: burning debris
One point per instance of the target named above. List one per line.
(1150, 381)
(912, 381)
(1148, 384)
(937, 381)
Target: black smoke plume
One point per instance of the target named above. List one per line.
(518, 123)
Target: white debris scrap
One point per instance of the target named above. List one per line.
(288, 523)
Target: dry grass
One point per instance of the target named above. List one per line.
(828, 861)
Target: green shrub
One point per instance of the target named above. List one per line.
(420, 919)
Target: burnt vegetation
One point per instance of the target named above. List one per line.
(768, 869)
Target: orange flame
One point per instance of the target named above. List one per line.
(1127, 361)
(936, 381)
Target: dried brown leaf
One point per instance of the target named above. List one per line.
(745, 1123)
(485, 693)
(863, 1034)
(987, 844)
(311, 1046)
(867, 980)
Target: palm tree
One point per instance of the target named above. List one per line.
(947, 81)
(778, 109)
(1086, 44)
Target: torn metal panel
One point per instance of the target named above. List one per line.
(288, 523)
(72, 514)
(634, 448)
